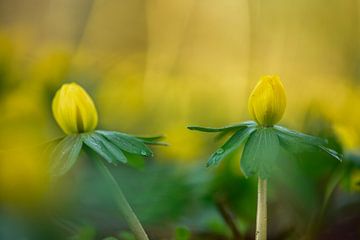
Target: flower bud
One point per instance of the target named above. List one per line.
(74, 109)
(267, 101)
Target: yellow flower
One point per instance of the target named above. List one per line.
(74, 109)
(267, 101)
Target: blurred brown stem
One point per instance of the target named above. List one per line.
(228, 218)
(261, 215)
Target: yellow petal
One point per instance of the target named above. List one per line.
(267, 101)
(74, 109)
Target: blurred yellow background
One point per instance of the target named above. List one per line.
(156, 66)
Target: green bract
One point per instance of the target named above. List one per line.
(114, 147)
(262, 145)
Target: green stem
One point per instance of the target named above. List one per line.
(123, 204)
(261, 215)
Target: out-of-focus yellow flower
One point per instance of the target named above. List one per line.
(74, 109)
(267, 101)
(348, 136)
(23, 177)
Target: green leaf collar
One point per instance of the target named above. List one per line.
(114, 147)
(262, 146)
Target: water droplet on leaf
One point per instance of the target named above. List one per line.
(220, 151)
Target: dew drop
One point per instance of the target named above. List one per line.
(220, 151)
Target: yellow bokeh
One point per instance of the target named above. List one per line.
(156, 68)
(184, 146)
(23, 177)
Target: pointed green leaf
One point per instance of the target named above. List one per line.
(260, 153)
(65, 154)
(293, 145)
(301, 137)
(156, 143)
(51, 144)
(230, 127)
(153, 140)
(127, 143)
(112, 148)
(104, 148)
(331, 152)
(94, 143)
(48, 147)
(296, 142)
(230, 145)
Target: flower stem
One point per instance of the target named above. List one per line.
(261, 216)
(128, 213)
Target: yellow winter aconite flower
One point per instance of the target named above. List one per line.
(267, 101)
(74, 109)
